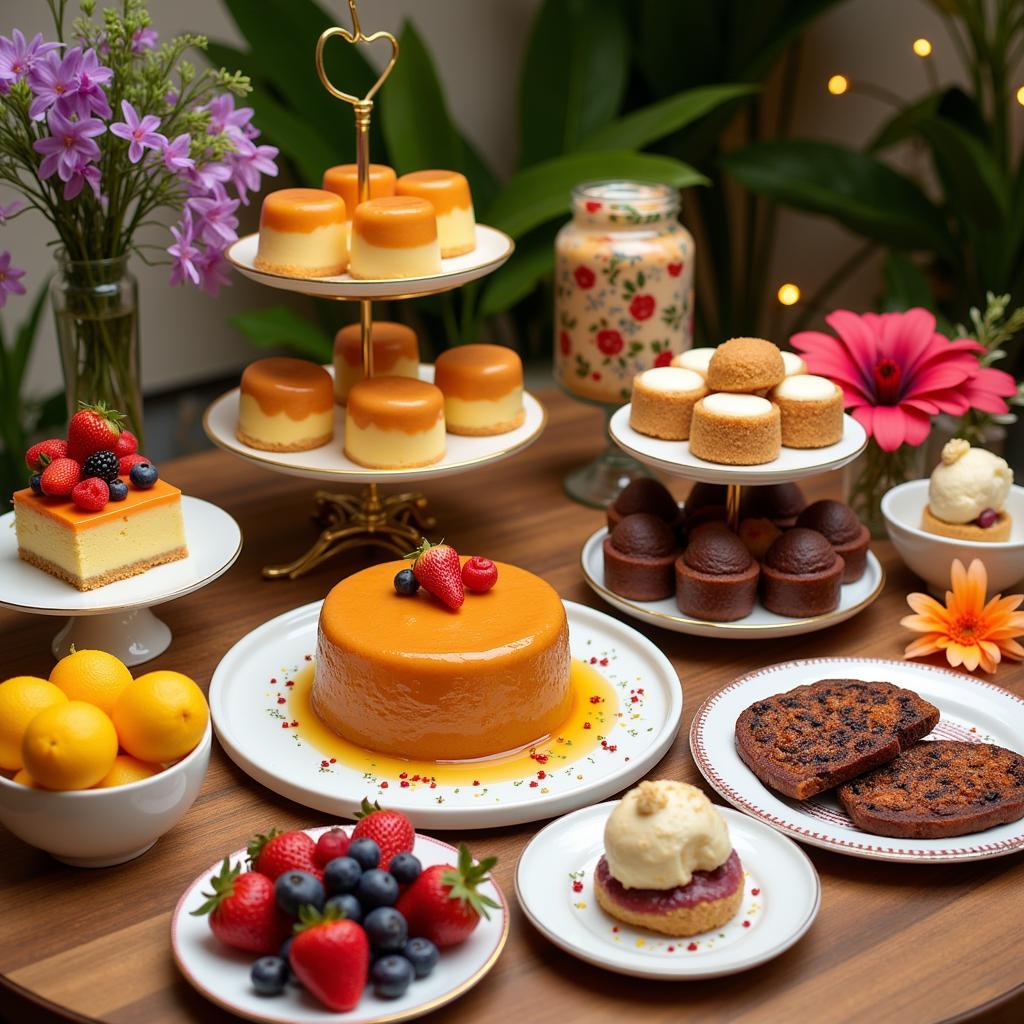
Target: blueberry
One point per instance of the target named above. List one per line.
(377, 888)
(118, 490)
(405, 867)
(294, 889)
(269, 975)
(342, 875)
(386, 929)
(422, 954)
(366, 852)
(406, 583)
(348, 905)
(143, 475)
(391, 976)
(284, 953)
(36, 483)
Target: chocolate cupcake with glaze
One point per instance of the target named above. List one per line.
(644, 494)
(716, 577)
(639, 555)
(801, 575)
(839, 525)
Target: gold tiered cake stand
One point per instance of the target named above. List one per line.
(394, 522)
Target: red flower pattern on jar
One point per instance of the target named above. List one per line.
(609, 342)
(584, 277)
(642, 307)
(664, 358)
(564, 342)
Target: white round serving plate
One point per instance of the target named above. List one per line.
(493, 248)
(554, 884)
(329, 462)
(248, 683)
(116, 618)
(760, 624)
(971, 709)
(222, 974)
(674, 458)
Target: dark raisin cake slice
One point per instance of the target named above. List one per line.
(814, 737)
(937, 789)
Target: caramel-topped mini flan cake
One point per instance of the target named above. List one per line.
(811, 411)
(394, 237)
(663, 401)
(394, 423)
(735, 430)
(482, 387)
(696, 359)
(396, 353)
(302, 233)
(343, 180)
(744, 365)
(285, 405)
(448, 192)
(967, 495)
(409, 677)
(668, 862)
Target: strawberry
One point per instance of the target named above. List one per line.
(243, 911)
(277, 852)
(479, 574)
(331, 957)
(391, 831)
(125, 463)
(439, 572)
(60, 476)
(94, 428)
(444, 904)
(39, 456)
(333, 843)
(127, 444)
(91, 494)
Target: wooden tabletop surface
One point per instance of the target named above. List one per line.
(892, 941)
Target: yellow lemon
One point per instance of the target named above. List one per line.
(21, 699)
(93, 676)
(23, 778)
(161, 716)
(69, 746)
(127, 769)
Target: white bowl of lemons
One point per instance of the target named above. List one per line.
(97, 766)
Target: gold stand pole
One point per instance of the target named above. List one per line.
(353, 521)
(733, 497)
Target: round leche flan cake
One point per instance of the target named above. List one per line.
(482, 387)
(285, 405)
(407, 677)
(303, 233)
(448, 192)
(343, 180)
(396, 353)
(394, 237)
(394, 423)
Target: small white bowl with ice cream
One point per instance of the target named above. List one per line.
(963, 486)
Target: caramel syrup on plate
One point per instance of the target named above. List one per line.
(594, 714)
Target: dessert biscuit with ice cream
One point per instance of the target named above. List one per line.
(967, 495)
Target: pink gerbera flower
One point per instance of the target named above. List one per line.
(897, 372)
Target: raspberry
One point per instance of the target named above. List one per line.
(91, 495)
(479, 574)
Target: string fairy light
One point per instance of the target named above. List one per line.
(838, 84)
(1020, 95)
(788, 294)
(922, 47)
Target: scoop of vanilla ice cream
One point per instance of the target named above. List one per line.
(966, 482)
(661, 832)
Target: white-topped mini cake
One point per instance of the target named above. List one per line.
(793, 364)
(696, 359)
(735, 429)
(811, 409)
(663, 401)
(967, 495)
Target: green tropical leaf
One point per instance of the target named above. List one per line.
(279, 326)
(905, 284)
(573, 77)
(542, 192)
(533, 260)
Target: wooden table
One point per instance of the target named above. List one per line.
(892, 942)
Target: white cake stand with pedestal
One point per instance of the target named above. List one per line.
(117, 618)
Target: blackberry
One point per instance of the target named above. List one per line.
(105, 465)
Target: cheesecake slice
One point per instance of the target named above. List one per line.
(91, 549)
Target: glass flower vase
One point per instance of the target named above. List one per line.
(96, 306)
(874, 473)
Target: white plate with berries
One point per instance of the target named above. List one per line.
(307, 927)
(555, 887)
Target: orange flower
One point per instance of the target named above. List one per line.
(972, 633)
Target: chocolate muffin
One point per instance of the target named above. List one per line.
(639, 555)
(705, 503)
(781, 503)
(801, 574)
(644, 494)
(716, 577)
(839, 525)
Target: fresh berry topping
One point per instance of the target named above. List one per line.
(406, 583)
(331, 957)
(422, 954)
(406, 868)
(269, 975)
(59, 478)
(392, 832)
(118, 489)
(342, 874)
(127, 444)
(377, 888)
(439, 572)
(276, 852)
(39, 456)
(295, 889)
(365, 852)
(347, 905)
(105, 465)
(94, 428)
(36, 483)
(333, 843)
(143, 475)
(386, 929)
(91, 495)
(126, 462)
(479, 574)
(391, 976)
(987, 518)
